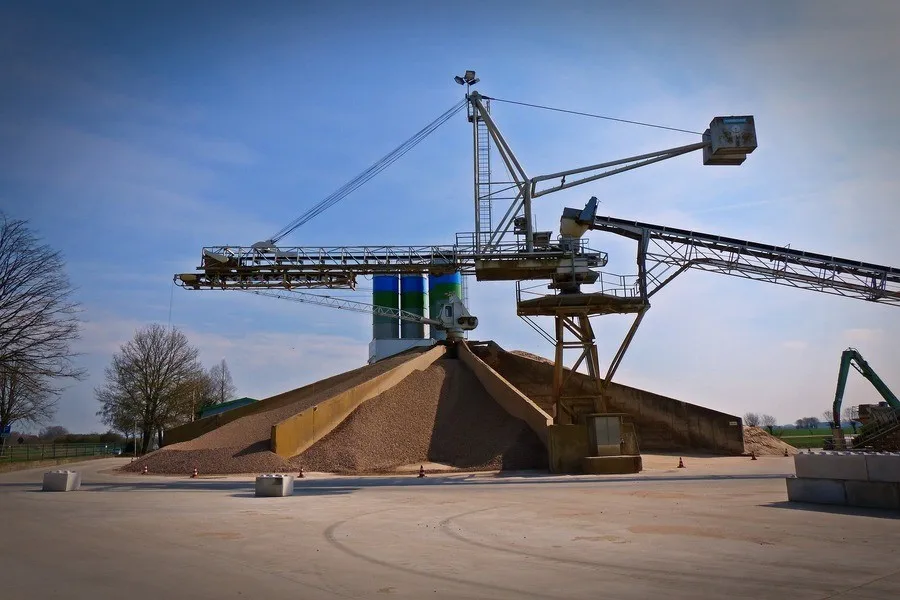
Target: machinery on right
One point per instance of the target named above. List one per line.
(880, 422)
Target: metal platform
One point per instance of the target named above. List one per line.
(580, 304)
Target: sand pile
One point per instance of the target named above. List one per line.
(442, 415)
(760, 441)
(242, 446)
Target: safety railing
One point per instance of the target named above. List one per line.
(26, 452)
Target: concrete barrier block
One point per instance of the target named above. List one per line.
(883, 467)
(609, 465)
(873, 494)
(62, 481)
(274, 485)
(845, 466)
(816, 491)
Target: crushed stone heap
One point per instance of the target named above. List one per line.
(442, 414)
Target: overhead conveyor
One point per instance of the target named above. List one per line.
(669, 251)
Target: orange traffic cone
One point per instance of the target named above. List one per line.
(681, 463)
(194, 474)
(300, 474)
(421, 471)
(752, 455)
(144, 472)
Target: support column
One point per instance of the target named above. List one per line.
(571, 404)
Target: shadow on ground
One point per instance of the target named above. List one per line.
(858, 511)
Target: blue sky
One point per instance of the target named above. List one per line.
(136, 134)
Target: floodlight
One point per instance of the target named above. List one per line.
(470, 75)
(459, 80)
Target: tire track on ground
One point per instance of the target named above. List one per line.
(330, 535)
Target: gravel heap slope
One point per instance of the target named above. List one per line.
(242, 446)
(442, 414)
(760, 441)
(531, 356)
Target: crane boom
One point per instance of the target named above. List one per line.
(851, 356)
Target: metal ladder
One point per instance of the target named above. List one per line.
(484, 180)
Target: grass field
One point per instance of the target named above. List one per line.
(806, 438)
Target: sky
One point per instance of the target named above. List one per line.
(134, 134)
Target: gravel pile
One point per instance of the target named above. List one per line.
(242, 446)
(442, 415)
(531, 356)
(761, 442)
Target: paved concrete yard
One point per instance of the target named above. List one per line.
(719, 529)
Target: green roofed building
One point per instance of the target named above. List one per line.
(225, 406)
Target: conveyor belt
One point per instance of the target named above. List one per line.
(670, 251)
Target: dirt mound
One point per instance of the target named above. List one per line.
(242, 446)
(442, 414)
(760, 441)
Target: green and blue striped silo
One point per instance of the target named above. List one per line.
(412, 299)
(439, 285)
(386, 293)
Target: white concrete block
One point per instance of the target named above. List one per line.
(273, 485)
(816, 491)
(848, 466)
(62, 481)
(883, 467)
(873, 494)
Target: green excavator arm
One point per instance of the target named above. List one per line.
(852, 356)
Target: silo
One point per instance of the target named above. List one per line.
(412, 299)
(439, 285)
(386, 293)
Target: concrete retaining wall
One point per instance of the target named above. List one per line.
(661, 423)
(297, 433)
(568, 445)
(506, 395)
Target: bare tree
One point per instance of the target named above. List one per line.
(751, 419)
(828, 416)
(38, 323)
(223, 388)
(24, 397)
(146, 382)
(851, 414)
(769, 422)
(52, 432)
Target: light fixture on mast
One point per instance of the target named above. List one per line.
(468, 79)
